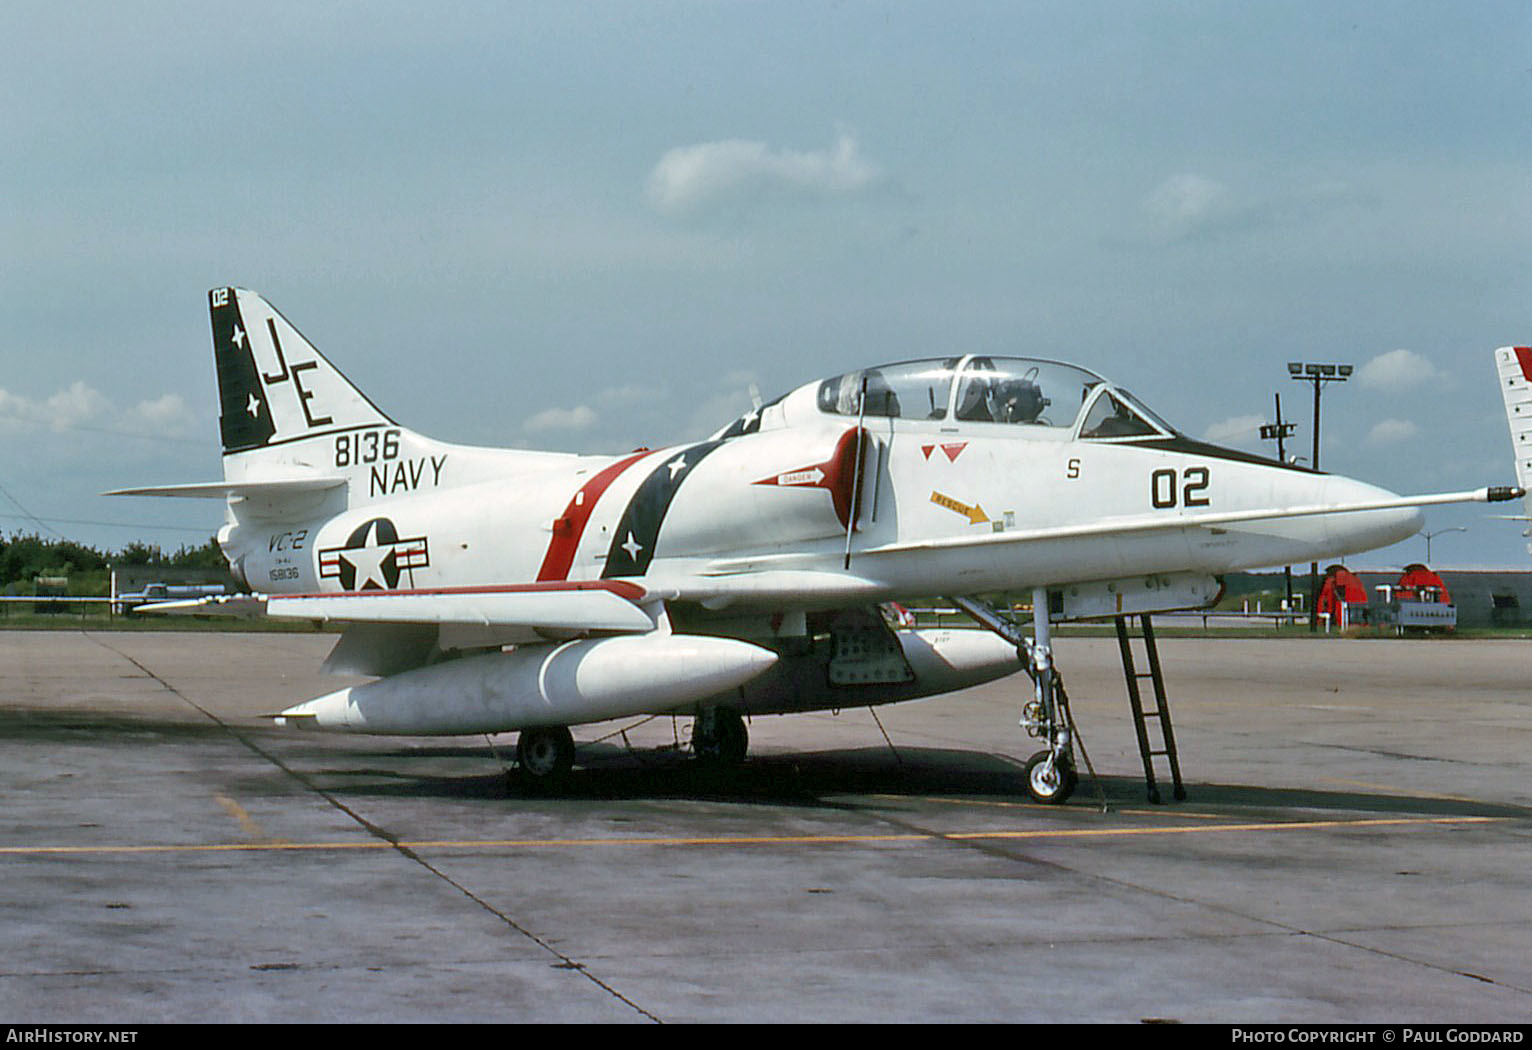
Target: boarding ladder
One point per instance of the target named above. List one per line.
(1161, 711)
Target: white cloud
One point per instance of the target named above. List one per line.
(168, 412)
(75, 405)
(581, 417)
(1391, 432)
(1398, 370)
(617, 396)
(690, 178)
(1244, 431)
(1184, 203)
(81, 406)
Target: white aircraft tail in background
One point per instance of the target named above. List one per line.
(1514, 365)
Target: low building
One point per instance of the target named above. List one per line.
(1482, 597)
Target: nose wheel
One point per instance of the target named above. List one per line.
(1051, 779)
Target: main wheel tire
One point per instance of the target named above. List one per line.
(1050, 784)
(720, 739)
(544, 756)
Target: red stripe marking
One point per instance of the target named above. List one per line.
(570, 527)
(1524, 358)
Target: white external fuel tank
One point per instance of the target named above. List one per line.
(539, 685)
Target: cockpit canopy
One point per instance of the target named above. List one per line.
(977, 389)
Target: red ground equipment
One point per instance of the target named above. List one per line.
(1342, 597)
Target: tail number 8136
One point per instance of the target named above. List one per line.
(364, 447)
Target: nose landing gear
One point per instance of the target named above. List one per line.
(1050, 774)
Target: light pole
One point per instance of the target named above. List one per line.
(1438, 532)
(1319, 374)
(1280, 432)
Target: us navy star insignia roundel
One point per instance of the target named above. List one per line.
(374, 557)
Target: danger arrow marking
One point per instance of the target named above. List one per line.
(801, 477)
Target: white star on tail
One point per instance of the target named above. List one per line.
(632, 547)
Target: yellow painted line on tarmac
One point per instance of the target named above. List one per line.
(746, 840)
(1204, 829)
(1130, 811)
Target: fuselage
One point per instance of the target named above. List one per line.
(958, 475)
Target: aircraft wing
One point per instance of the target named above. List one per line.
(769, 565)
(615, 605)
(606, 605)
(1120, 526)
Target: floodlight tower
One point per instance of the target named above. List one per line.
(1318, 374)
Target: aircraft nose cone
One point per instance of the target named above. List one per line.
(1359, 531)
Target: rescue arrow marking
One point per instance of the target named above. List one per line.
(975, 514)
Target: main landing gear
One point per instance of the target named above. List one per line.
(544, 757)
(719, 738)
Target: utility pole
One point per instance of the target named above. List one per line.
(1281, 431)
(1318, 374)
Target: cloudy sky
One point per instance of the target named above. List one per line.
(595, 226)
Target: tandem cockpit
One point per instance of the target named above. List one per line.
(1033, 397)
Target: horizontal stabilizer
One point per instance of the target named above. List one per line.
(246, 606)
(270, 489)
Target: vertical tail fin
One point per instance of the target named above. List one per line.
(274, 387)
(1514, 364)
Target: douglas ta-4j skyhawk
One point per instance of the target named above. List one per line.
(497, 590)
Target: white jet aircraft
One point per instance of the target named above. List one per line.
(494, 590)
